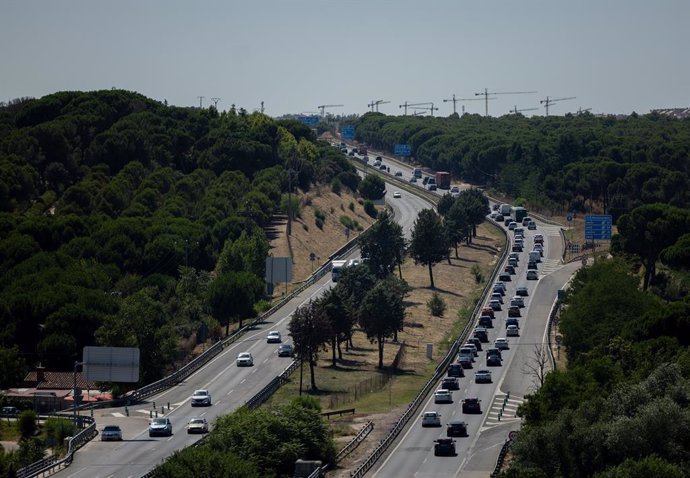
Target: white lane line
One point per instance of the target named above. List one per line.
(229, 392)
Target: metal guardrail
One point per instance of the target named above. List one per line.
(346, 450)
(49, 464)
(440, 369)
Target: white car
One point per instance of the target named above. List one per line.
(443, 396)
(201, 398)
(431, 419)
(512, 331)
(113, 432)
(245, 359)
(197, 425)
(274, 337)
(482, 376)
(501, 343)
(396, 194)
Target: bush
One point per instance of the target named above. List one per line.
(336, 186)
(370, 209)
(477, 273)
(436, 305)
(319, 223)
(320, 218)
(27, 424)
(351, 206)
(57, 429)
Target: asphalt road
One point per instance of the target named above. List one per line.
(412, 455)
(230, 387)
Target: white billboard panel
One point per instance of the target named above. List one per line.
(111, 364)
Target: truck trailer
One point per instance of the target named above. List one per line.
(518, 214)
(443, 180)
(336, 268)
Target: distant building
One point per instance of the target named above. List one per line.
(678, 113)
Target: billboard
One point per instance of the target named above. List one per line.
(111, 364)
(598, 227)
(402, 150)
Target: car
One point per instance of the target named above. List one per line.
(9, 412)
(507, 221)
(273, 337)
(518, 301)
(495, 296)
(512, 262)
(493, 215)
(111, 432)
(482, 376)
(471, 405)
(197, 425)
(398, 173)
(413, 179)
(160, 426)
(514, 255)
(456, 428)
(501, 343)
(450, 383)
(526, 220)
(494, 207)
(431, 419)
(285, 350)
(519, 241)
(512, 331)
(531, 226)
(379, 158)
(494, 304)
(509, 269)
(489, 311)
(500, 284)
(518, 231)
(486, 322)
(493, 361)
(444, 447)
(455, 189)
(514, 311)
(538, 239)
(431, 187)
(477, 343)
(519, 237)
(245, 359)
(443, 395)
(383, 167)
(532, 275)
(522, 291)
(539, 247)
(465, 361)
(467, 351)
(512, 321)
(365, 159)
(397, 194)
(499, 218)
(494, 352)
(201, 398)
(504, 276)
(471, 346)
(351, 153)
(500, 288)
(456, 370)
(482, 334)
(512, 225)
(532, 266)
(517, 248)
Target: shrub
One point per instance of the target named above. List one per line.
(336, 186)
(370, 209)
(27, 424)
(305, 227)
(477, 273)
(351, 206)
(436, 305)
(319, 223)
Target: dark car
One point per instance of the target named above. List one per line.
(351, 153)
(456, 370)
(516, 248)
(504, 276)
(432, 187)
(444, 447)
(9, 412)
(486, 322)
(507, 221)
(285, 350)
(493, 351)
(493, 361)
(482, 334)
(531, 265)
(514, 311)
(471, 405)
(509, 269)
(477, 343)
(499, 218)
(383, 167)
(456, 428)
(465, 361)
(379, 158)
(532, 226)
(512, 321)
(522, 291)
(450, 383)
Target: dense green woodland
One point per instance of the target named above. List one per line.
(558, 163)
(127, 222)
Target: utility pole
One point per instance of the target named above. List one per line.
(550, 101)
(215, 102)
(200, 99)
(262, 107)
(487, 95)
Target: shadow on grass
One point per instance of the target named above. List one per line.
(414, 325)
(482, 247)
(438, 289)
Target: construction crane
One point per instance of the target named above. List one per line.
(515, 110)
(375, 104)
(486, 96)
(580, 110)
(429, 106)
(549, 101)
(462, 100)
(323, 108)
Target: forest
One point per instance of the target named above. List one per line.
(582, 163)
(127, 222)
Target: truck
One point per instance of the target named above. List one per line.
(417, 172)
(337, 267)
(518, 214)
(443, 180)
(505, 209)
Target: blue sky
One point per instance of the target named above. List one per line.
(614, 56)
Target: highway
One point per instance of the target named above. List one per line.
(230, 387)
(412, 454)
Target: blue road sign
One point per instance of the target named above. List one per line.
(598, 226)
(402, 150)
(347, 132)
(569, 218)
(309, 120)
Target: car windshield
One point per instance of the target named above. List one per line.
(197, 421)
(111, 428)
(159, 421)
